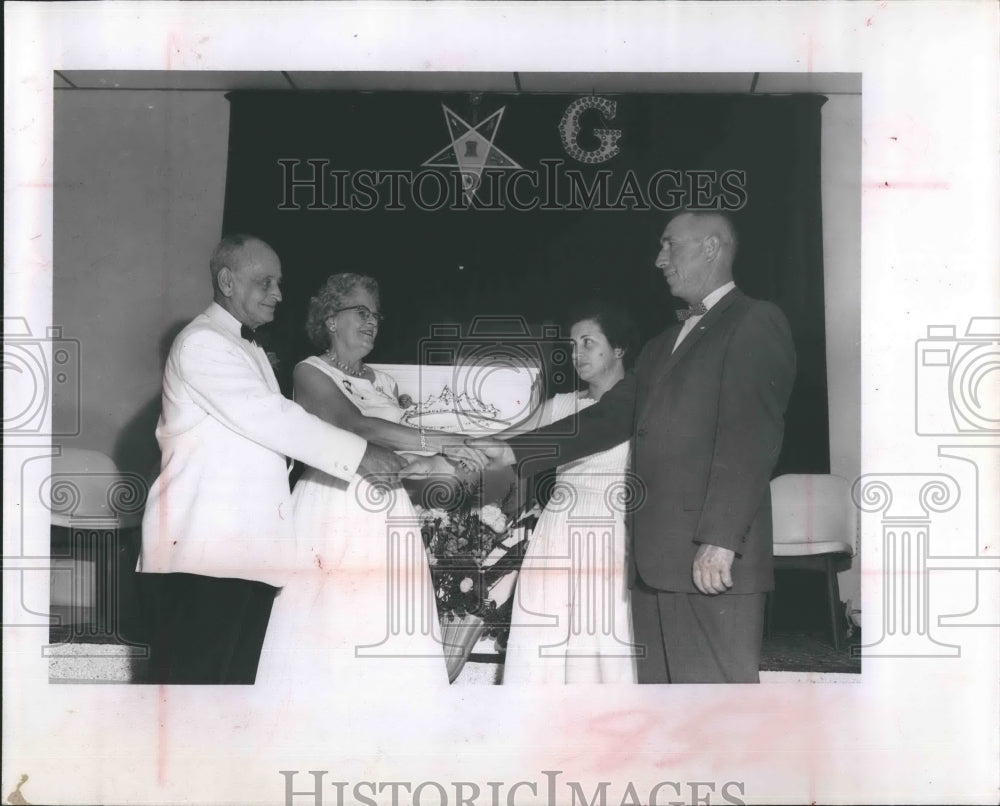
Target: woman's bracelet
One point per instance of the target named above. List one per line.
(423, 440)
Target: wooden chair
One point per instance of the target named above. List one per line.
(815, 528)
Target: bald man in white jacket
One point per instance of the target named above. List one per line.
(217, 531)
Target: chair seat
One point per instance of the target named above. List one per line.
(87, 485)
(814, 521)
(96, 512)
(812, 548)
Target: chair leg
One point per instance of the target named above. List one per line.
(833, 601)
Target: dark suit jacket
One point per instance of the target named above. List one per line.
(706, 424)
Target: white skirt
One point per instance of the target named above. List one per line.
(360, 615)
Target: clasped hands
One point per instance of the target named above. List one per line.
(382, 462)
(712, 566)
(472, 454)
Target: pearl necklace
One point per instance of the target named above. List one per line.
(354, 372)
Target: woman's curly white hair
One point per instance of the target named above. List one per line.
(330, 297)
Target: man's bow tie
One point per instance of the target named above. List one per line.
(248, 334)
(698, 309)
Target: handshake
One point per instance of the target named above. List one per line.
(471, 455)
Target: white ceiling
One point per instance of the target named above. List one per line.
(221, 81)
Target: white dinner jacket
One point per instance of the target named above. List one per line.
(221, 505)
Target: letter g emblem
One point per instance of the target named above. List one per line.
(569, 128)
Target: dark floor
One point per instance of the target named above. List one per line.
(784, 649)
(808, 651)
(798, 639)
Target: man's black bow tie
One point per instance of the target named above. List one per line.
(698, 309)
(248, 334)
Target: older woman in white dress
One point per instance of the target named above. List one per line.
(362, 609)
(571, 620)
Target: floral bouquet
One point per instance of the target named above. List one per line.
(472, 551)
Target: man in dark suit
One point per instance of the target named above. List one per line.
(704, 408)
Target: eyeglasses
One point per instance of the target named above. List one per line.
(364, 312)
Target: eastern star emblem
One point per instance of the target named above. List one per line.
(471, 149)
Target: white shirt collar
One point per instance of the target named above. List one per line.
(710, 300)
(718, 294)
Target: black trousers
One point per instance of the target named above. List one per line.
(205, 630)
(695, 638)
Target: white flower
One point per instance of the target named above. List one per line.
(465, 585)
(493, 517)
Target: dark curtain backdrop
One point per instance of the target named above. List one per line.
(450, 265)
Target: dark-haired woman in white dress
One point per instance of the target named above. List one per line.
(571, 620)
